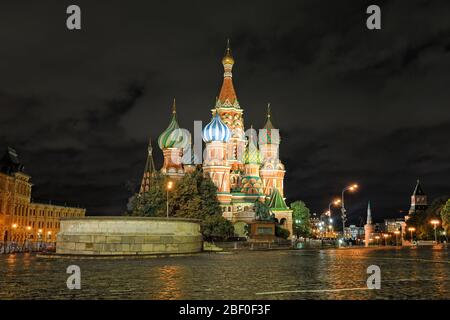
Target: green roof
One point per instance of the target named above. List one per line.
(276, 201)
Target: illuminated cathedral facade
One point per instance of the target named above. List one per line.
(244, 165)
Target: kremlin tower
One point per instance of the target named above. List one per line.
(244, 166)
(368, 227)
(418, 200)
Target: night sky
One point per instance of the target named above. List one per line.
(352, 105)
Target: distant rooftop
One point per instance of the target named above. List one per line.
(10, 162)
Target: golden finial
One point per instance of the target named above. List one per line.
(268, 110)
(228, 58)
(174, 107)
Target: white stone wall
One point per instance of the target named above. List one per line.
(128, 236)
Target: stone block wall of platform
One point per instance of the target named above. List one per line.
(128, 236)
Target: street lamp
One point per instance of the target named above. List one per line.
(396, 236)
(344, 216)
(435, 223)
(378, 238)
(334, 202)
(169, 187)
(28, 236)
(14, 227)
(411, 230)
(385, 235)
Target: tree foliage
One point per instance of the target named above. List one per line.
(445, 216)
(193, 196)
(216, 227)
(421, 220)
(280, 232)
(262, 212)
(151, 203)
(301, 219)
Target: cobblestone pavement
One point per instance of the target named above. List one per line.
(406, 273)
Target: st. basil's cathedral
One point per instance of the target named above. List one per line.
(245, 168)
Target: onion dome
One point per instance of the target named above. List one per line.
(252, 154)
(269, 134)
(216, 130)
(173, 136)
(228, 58)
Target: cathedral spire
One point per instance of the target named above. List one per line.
(268, 124)
(149, 170)
(227, 95)
(269, 134)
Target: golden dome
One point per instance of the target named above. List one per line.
(228, 58)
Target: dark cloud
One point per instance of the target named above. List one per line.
(352, 104)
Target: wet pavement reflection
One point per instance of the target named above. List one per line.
(406, 273)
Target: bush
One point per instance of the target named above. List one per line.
(281, 232)
(215, 227)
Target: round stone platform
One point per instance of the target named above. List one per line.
(108, 236)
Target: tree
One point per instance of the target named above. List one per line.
(421, 220)
(301, 219)
(151, 203)
(216, 227)
(280, 232)
(445, 216)
(194, 196)
(262, 212)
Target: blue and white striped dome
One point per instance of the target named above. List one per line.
(216, 130)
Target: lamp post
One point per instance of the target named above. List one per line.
(411, 230)
(39, 235)
(169, 187)
(12, 246)
(14, 227)
(344, 216)
(378, 238)
(385, 235)
(334, 202)
(396, 237)
(28, 238)
(435, 223)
